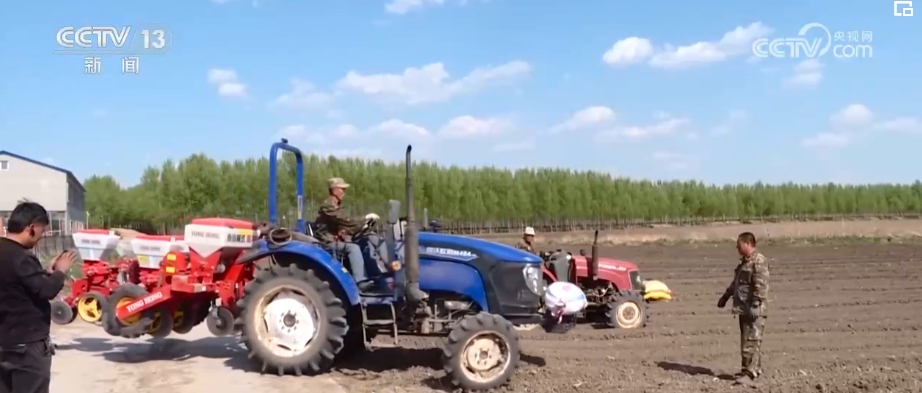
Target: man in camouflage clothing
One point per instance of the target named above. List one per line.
(749, 291)
(528, 240)
(334, 228)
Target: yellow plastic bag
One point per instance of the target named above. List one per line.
(655, 290)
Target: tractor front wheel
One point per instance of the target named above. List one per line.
(291, 321)
(627, 311)
(481, 352)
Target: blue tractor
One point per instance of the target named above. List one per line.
(303, 309)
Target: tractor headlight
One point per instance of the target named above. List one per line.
(532, 274)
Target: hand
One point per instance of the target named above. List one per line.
(64, 261)
(755, 311)
(371, 217)
(723, 301)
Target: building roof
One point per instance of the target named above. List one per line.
(70, 175)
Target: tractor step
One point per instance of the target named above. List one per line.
(379, 322)
(375, 324)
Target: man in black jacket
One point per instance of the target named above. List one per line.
(25, 309)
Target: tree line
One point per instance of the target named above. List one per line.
(198, 186)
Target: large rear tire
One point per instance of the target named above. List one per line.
(291, 321)
(481, 352)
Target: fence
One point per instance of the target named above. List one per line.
(50, 246)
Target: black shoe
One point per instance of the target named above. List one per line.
(745, 380)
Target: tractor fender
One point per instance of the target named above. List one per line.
(307, 256)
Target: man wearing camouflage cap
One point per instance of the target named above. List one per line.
(336, 229)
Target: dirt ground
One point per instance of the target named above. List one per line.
(843, 318)
(787, 231)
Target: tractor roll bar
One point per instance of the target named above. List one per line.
(273, 183)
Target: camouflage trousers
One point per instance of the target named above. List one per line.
(751, 330)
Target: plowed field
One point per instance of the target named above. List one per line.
(842, 319)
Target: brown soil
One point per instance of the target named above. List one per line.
(712, 233)
(842, 319)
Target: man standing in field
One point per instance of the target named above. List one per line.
(528, 240)
(749, 291)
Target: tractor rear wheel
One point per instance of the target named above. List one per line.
(291, 321)
(133, 326)
(627, 311)
(481, 352)
(61, 312)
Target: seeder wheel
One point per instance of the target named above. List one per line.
(220, 322)
(134, 325)
(90, 306)
(184, 319)
(61, 312)
(481, 352)
(162, 324)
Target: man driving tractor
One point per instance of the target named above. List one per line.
(528, 240)
(342, 234)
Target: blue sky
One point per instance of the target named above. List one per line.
(634, 88)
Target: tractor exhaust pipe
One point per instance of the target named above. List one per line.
(594, 261)
(411, 239)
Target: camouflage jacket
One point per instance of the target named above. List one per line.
(749, 288)
(331, 222)
(525, 246)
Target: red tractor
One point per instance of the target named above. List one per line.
(616, 294)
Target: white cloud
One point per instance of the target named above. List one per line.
(628, 51)
(400, 129)
(469, 126)
(735, 43)
(664, 126)
(227, 83)
(857, 120)
(528, 144)
(592, 116)
(826, 140)
(852, 115)
(431, 82)
(730, 123)
(401, 7)
(303, 95)
(901, 124)
(807, 73)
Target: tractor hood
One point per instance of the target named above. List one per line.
(444, 244)
(609, 264)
